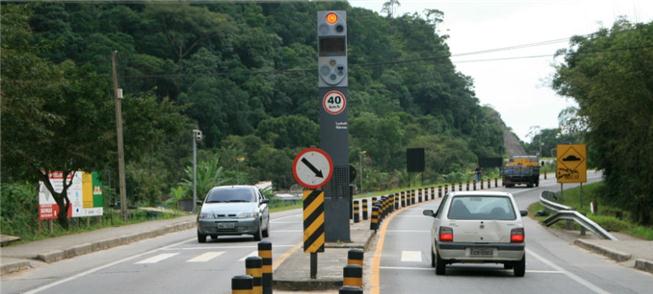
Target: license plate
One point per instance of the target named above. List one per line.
(226, 225)
(481, 251)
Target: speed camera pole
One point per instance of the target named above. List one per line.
(333, 88)
(197, 135)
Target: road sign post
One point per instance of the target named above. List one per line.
(312, 169)
(333, 85)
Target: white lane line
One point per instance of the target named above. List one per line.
(274, 220)
(253, 253)
(157, 258)
(408, 231)
(88, 272)
(544, 272)
(411, 256)
(571, 275)
(205, 257)
(223, 247)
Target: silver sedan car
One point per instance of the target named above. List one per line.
(233, 210)
(478, 227)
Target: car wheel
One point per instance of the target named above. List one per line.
(432, 259)
(440, 266)
(201, 238)
(258, 236)
(520, 267)
(266, 232)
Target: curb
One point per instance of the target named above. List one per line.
(607, 252)
(644, 265)
(291, 285)
(86, 248)
(13, 267)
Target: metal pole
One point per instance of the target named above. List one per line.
(313, 265)
(581, 196)
(194, 172)
(121, 152)
(360, 161)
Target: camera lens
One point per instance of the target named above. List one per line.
(340, 28)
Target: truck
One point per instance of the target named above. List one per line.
(521, 169)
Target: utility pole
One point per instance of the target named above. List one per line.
(197, 135)
(360, 159)
(117, 92)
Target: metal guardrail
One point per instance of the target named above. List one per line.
(563, 212)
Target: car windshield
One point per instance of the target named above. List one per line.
(475, 207)
(231, 195)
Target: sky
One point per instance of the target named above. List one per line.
(518, 88)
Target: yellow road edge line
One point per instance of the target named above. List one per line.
(276, 262)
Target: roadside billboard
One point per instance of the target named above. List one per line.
(85, 196)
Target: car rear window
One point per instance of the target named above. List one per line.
(477, 207)
(231, 195)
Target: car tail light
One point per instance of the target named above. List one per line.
(446, 234)
(517, 235)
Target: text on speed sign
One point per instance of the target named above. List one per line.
(334, 102)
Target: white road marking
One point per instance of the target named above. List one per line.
(297, 222)
(205, 257)
(287, 231)
(223, 247)
(253, 253)
(88, 272)
(157, 258)
(544, 272)
(408, 231)
(274, 220)
(411, 256)
(571, 275)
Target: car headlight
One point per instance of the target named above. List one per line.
(205, 215)
(247, 215)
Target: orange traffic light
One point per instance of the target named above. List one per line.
(331, 18)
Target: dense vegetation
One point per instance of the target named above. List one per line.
(610, 75)
(245, 74)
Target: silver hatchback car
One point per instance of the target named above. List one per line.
(478, 227)
(233, 210)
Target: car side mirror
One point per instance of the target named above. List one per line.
(523, 212)
(264, 201)
(199, 202)
(428, 212)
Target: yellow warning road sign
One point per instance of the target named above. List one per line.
(571, 164)
(313, 221)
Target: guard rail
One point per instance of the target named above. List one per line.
(563, 212)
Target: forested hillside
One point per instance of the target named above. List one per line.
(245, 74)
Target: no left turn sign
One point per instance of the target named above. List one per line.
(334, 102)
(312, 168)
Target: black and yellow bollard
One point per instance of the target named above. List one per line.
(253, 266)
(489, 183)
(355, 257)
(419, 195)
(453, 187)
(482, 184)
(374, 220)
(365, 210)
(446, 189)
(352, 276)
(496, 182)
(474, 185)
(467, 186)
(357, 211)
(460, 186)
(241, 284)
(350, 290)
(265, 252)
(396, 201)
(403, 199)
(439, 191)
(413, 197)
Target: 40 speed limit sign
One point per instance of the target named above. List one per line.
(334, 102)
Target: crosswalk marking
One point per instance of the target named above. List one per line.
(157, 258)
(253, 253)
(411, 256)
(207, 256)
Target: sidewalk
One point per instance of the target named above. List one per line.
(23, 256)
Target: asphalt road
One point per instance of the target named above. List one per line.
(552, 265)
(174, 263)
